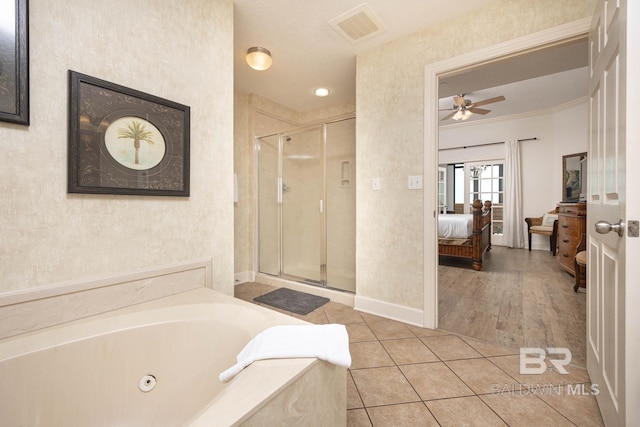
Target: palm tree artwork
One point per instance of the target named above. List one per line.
(138, 132)
(135, 143)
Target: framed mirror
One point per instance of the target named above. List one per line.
(573, 177)
(14, 62)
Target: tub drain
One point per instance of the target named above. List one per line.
(147, 383)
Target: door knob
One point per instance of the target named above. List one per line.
(603, 227)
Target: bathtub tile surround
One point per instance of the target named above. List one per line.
(40, 307)
(403, 375)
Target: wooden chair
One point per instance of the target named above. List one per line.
(547, 225)
(580, 263)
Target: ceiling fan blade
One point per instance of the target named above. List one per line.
(459, 100)
(449, 109)
(479, 110)
(489, 101)
(448, 116)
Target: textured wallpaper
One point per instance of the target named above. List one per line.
(183, 54)
(390, 136)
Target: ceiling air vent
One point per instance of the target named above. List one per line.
(358, 24)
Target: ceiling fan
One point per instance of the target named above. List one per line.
(464, 108)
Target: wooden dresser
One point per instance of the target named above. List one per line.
(571, 224)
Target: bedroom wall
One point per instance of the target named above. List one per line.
(390, 137)
(559, 132)
(48, 236)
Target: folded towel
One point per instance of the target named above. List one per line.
(326, 342)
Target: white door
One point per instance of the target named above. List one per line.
(612, 319)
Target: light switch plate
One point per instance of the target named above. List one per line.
(375, 184)
(415, 182)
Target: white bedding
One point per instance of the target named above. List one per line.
(455, 226)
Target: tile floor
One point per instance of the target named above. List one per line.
(402, 375)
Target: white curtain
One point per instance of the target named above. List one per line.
(513, 229)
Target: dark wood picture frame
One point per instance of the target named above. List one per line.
(123, 141)
(571, 177)
(14, 65)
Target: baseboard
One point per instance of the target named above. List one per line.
(389, 310)
(244, 277)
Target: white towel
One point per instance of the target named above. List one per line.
(326, 342)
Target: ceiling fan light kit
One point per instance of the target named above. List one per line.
(463, 108)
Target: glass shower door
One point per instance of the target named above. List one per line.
(302, 205)
(268, 212)
(341, 204)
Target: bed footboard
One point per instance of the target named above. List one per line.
(480, 240)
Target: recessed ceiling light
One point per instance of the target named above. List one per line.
(322, 91)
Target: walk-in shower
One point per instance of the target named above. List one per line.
(307, 204)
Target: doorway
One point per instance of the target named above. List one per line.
(306, 205)
(566, 33)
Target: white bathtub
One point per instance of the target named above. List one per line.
(88, 372)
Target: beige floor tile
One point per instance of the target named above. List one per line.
(524, 410)
(426, 332)
(480, 375)
(390, 329)
(488, 349)
(370, 354)
(370, 318)
(317, 317)
(383, 386)
(338, 313)
(249, 291)
(511, 365)
(353, 397)
(576, 403)
(359, 332)
(463, 411)
(358, 418)
(435, 381)
(403, 415)
(409, 350)
(450, 347)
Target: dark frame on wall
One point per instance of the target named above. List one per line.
(123, 141)
(571, 177)
(14, 64)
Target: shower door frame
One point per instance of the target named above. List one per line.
(322, 203)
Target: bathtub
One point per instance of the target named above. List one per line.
(157, 364)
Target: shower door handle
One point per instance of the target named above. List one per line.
(321, 206)
(279, 190)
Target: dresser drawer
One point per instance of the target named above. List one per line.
(567, 224)
(571, 225)
(577, 209)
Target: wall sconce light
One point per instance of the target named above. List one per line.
(259, 58)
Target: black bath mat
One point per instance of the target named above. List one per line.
(294, 301)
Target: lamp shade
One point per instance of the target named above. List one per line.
(259, 58)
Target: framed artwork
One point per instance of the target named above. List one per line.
(572, 179)
(14, 61)
(123, 141)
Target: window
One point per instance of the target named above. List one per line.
(486, 182)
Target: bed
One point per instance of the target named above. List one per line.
(466, 235)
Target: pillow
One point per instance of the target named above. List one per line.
(548, 219)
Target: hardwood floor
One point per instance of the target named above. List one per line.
(519, 299)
